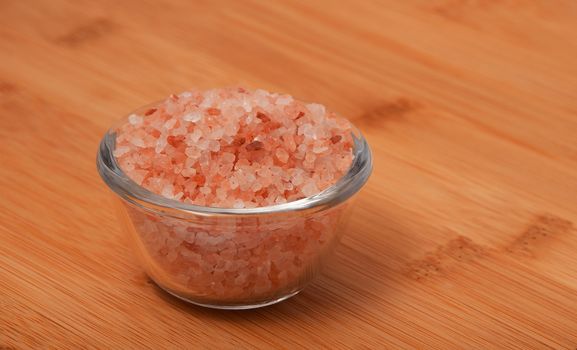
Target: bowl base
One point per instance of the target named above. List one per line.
(233, 306)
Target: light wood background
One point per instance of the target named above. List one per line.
(464, 237)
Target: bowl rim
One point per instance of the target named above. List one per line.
(347, 186)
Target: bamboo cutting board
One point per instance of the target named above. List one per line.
(464, 237)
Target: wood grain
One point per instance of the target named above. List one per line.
(463, 238)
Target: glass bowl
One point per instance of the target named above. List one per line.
(233, 258)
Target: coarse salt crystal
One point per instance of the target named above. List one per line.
(284, 100)
(194, 136)
(317, 110)
(214, 146)
(135, 119)
(233, 183)
(282, 155)
(297, 179)
(321, 149)
(228, 157)
(121, 150)
(169, 123)
(137, 141)
(188, 172)
(310, 189)
(192, 117)
(246, 104)
(167, 191)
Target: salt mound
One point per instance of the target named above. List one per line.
(234, 148)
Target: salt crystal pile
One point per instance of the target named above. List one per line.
(234, 148)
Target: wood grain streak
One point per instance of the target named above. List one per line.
(464, 237)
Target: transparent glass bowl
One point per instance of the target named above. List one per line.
(233, 258)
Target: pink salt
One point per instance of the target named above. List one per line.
(237, 135)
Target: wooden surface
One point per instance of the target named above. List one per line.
(464, 237)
